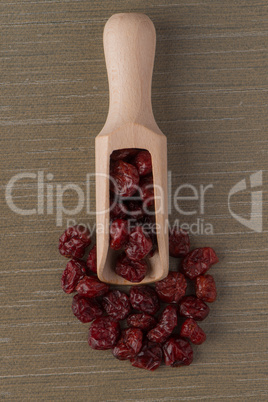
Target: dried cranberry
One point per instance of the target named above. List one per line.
(86, 310)
(144, 298)
(192, 307)
(167, 322)
(132, 271)
(139, 244)
(74, 241)
(179, 242)
(190, 329)
(74, 271)
(147, 191)
(129, 344)
(103, 333)
(177, 352)
(125, 179)
(143, 162)
(205, 288)
(198, 261)
(118, 233)
(117, 210)
(92, 259)
(116, 304)
(172, 288)
(149, 358)
(123, 153)
(90, 287)
(141, 320)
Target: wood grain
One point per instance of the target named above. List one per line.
(210, 97)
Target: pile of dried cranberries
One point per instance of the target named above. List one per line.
(128, 323)
(151, 323)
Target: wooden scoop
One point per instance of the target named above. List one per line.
(129, 47)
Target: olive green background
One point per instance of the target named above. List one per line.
(210, 98)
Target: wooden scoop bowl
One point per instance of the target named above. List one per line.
(129, 47)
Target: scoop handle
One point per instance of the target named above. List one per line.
(129, 47)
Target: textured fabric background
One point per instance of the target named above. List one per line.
(210, 98)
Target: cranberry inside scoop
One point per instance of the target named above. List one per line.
(143, 162)
(132, 271)
(125, 178)
(139, 244)
(118, 233)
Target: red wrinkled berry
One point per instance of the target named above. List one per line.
(172, 288)
(198, 261)
(179, 242)
(139, 244)
(116, 304)
(123, 153)
(90, 287)
(150, 356)
(125, 179)
(141, 320)
(117, 210)
(143, 162)
(86, 310)
(74, 271)
(144, 298)
(74, 241)
(167, 322)
(132, 271)
(192, 307)
(205, 288)
(147, 191)
(129, 344)
(177, 352)
(92, 259)
(118, 233)
(191, 330)
(103, 333)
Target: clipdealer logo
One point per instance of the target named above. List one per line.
(255, 221)
(50, 200)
